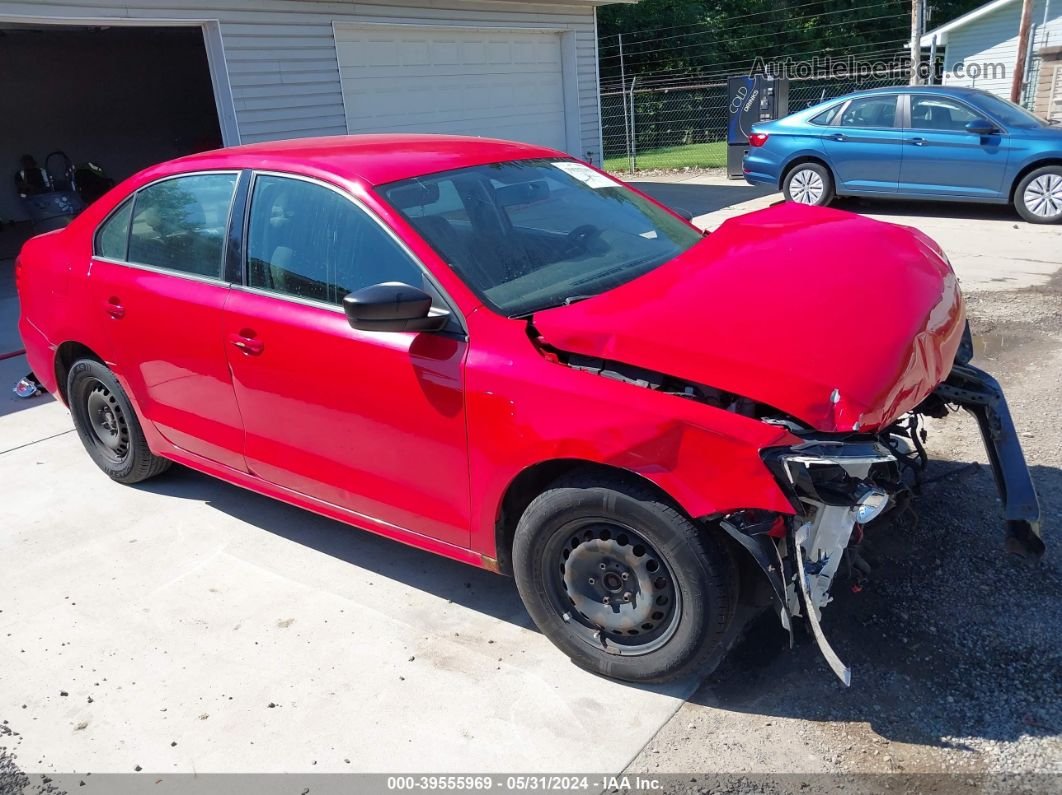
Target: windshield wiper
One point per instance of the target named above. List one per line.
(571, 299)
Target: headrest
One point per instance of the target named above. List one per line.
(521, 193)
(416, 195)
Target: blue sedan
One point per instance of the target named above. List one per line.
(913, 142)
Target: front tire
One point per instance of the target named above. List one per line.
(1038, 197)
(809, 183)
(621, 581)
(108, 425)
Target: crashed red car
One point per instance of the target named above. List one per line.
(499, 354)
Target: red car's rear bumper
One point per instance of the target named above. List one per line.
(40, 354)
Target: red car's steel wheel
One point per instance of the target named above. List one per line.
(612, 586)
(108, 425)
(107, 422)
(621, 580)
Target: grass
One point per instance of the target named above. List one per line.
(712, 155)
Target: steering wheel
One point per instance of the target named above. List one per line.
(578, 240)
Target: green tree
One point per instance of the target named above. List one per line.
(677, 39)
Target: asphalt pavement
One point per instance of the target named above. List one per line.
(700, 196)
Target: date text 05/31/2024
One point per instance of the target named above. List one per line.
(514, 783)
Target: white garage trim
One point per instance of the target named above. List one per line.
(215, 52)
(566, 51)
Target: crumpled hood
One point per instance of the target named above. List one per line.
(840, 321)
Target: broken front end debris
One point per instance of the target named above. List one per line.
(841, 483)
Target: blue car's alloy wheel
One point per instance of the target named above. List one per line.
(1039, 196)
(808, 183)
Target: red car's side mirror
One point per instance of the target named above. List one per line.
(393, 306)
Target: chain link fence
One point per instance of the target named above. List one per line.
(684, 127)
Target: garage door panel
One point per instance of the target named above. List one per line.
(447, 53)
(491, 83)
(381, 53)
(417, 110)
(355, 76)
(473, 53)
(488, 93)
(416, 53)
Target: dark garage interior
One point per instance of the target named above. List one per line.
(120, 97)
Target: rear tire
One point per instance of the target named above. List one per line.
(670, 587)
(1038, 197)
(108, 425)
(809, 183)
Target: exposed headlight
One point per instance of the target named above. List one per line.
(870, 505)
(834, 473)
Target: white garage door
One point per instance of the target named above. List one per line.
(501, 84)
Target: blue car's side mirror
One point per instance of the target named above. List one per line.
(981, 127)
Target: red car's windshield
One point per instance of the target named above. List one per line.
(531, 234)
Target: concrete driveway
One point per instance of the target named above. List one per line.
(187, 625)
(989, 246)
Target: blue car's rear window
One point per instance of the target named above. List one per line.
(827, 116)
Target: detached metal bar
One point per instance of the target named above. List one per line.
(980, 394)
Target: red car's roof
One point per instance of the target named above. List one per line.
(372, 159)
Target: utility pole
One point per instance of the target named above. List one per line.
(1023, 51)
(916, 40)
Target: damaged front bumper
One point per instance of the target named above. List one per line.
(839, 484)
(980, 394)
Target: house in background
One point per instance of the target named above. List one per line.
(981, 46)
(129, 84)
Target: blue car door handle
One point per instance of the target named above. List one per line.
(838, 137)
(919, 141)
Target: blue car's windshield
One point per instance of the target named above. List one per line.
(1009, 114)
(530, 234)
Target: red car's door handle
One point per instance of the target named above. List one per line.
(247, 343)
(114, 308)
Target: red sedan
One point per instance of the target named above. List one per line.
(500, 354)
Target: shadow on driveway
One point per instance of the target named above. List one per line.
(475, 589)
(928, 209)
(702, 199)
(11, 370)
(952, 639)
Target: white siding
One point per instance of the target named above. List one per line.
(993, 39)
(281, 54)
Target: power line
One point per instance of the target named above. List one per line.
(679, 74)
(893, 47)
(800, 18)
(774, 11)
(731, 39)
(790, 53)
(695, 63)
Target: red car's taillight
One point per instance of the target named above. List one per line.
(757, 139)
